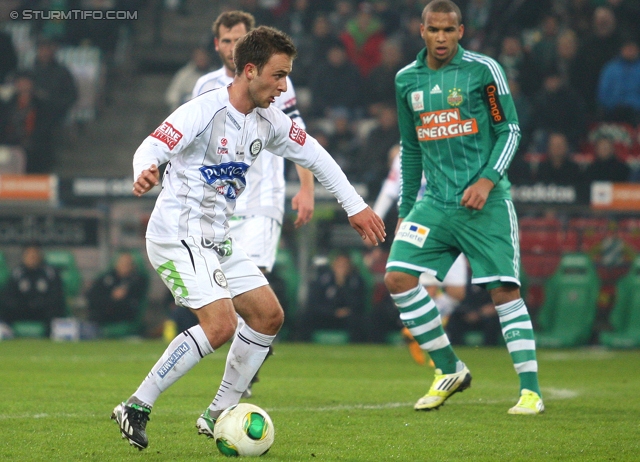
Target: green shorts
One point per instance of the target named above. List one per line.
(430, 238)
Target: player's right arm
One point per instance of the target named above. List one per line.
(411, 156)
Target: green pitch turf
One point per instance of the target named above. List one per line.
(350, 403)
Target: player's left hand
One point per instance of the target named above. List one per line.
(369, 226)
(304, 203)
(475, 196)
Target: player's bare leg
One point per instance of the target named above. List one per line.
(263, 318)
(217, 323)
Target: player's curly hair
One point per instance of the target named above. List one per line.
(259, 45)
(231, 19)
(441, 6)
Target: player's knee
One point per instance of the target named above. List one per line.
(220, 330)
(398, 282)
(273, 318)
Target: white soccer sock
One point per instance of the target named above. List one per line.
(184, 352)
(247, 353)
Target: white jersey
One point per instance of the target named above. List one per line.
(209, 146)
(265, 191)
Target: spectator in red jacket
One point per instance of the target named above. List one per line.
(363, 37)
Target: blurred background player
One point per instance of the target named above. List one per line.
(257, 221)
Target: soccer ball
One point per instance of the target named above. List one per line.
(243, 430)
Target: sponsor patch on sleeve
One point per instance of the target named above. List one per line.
(413, 233)
(495, 108)
(168, 134)
(297, 134)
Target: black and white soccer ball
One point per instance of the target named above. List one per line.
(244, 430)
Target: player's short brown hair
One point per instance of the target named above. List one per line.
(259, 45)
(441, 6)
(230, 19)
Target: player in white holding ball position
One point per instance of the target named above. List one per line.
(210, 142)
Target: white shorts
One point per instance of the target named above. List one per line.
(259, 236)
(197, 275)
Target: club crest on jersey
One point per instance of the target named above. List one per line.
(455, 98)
(413, 233)
(168, 134)
(229, 179)
(255, 147)
(222, 146)
(297, 134)
(417, 100)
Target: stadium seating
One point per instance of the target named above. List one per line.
(625, 316)
(567, 316)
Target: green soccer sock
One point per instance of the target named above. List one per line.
(420, 315)
(517, 331)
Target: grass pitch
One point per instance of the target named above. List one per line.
(348, 403)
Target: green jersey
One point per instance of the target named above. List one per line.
(457, 124)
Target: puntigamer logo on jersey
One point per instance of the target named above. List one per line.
(438, 125)
(168, 134)
(228, 179)
(413, 233)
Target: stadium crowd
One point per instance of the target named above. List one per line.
(573, 67)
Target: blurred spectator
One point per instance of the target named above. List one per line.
(628, 14)
(117, 295)
(579, 14)
(53, 82)
(298, 20)
(619, 86)
(558, 168)
(512, 57)
(8, 56)
(409, 38)
(380, 85)
(336, 300)
(341, 14)
(606, 166)
(476, 17)
(389, 14)
(363, 37)
(600, 46)
(342, 142)
(335, 84)
(543, 52)
(26, 120)
(558, 108)
(566, 55)
(313, 50)
(34, 291)
(181, 86)
(371, 165)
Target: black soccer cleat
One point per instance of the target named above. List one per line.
(132, 420)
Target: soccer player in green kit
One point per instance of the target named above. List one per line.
(458, 124)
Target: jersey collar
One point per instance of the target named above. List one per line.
(421, 59)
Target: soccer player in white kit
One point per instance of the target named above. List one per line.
(257, 222)
(210, 142)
